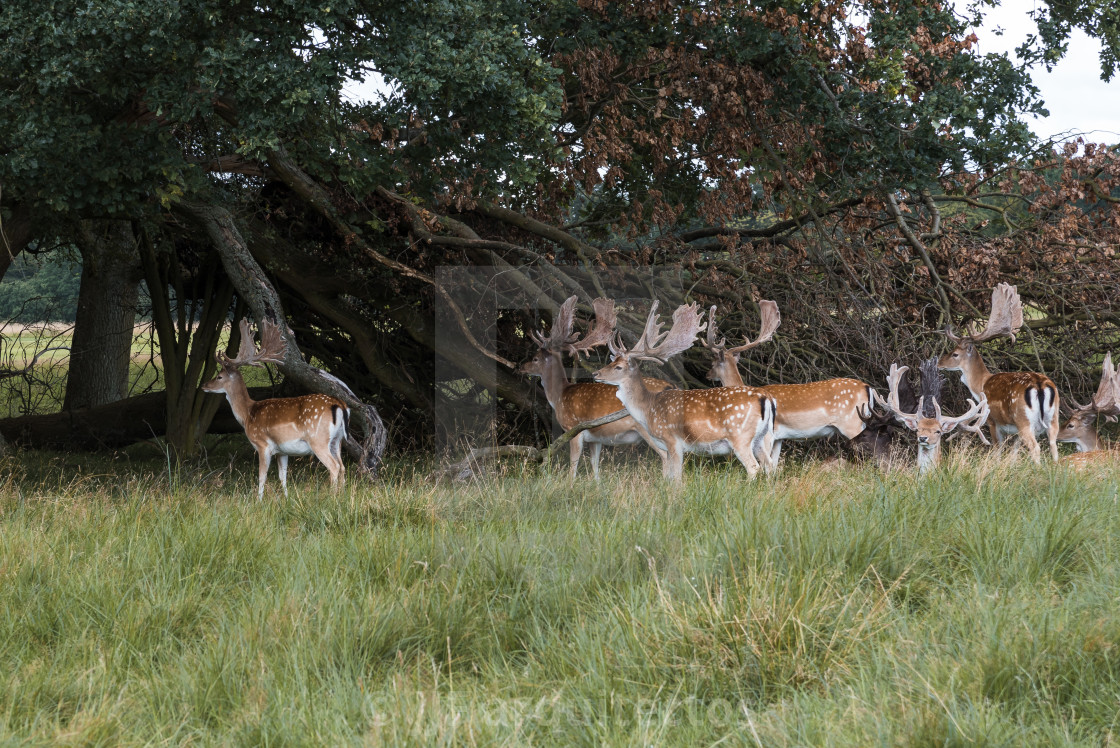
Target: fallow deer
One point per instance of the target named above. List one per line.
(281, 426)
(577, 402)
(719, 420)
(1081, 429)
(927, 421)
(805, 411)
(1021, 402)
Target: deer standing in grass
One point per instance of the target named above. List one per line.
(1025, 403)
(577, 402)
(805, 411)
(927, 421)
(1081, 429)
(281, 426)
(719, 420)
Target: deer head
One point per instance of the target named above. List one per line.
(930, 428)
(1081, 429)
(725, 360)
(653, 345)
(1004, 320)
(271, 350)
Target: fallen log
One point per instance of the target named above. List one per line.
(108, 426)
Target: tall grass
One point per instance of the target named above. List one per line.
(977, 605)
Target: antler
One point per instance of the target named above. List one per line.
(710, 341)
(560, 334)
(1106, 401)
(893, 379)
(973, 420)
(1005, 319)
(770, 319)
(271, 350)
(657, 347)
(600, 331)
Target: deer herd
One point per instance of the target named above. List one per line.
(748, 421)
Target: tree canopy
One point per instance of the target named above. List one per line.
(858, 161)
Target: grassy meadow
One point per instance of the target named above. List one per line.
(142, 605)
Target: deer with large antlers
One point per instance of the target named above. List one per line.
(578, 402)
(1025, 403)
(281, 426)
(927, 421)
(720, 420)
(1081, 428)
(805, 411)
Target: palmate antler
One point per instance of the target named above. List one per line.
(560, 334)
(1106, 401)
(770, 318)
(1005, 319)
(271, 349)
(600, 331)
(657, 346)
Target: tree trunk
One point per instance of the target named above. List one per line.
(16, 231)
(102, 346)
(188, 325)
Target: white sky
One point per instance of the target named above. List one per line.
(1078, 100)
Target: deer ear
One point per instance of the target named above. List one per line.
(1110, 419)
(911, 423)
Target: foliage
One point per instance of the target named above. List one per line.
(41, 288)
(850, 609)
(807, 152)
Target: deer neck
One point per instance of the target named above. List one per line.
(554, 379)
(928, 457)
(634, 395)
(239, 401)
(974, 375)
(727, 371)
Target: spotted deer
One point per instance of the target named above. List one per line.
(927, 421)
(577, 402)
(281, 426)
(1023, 403)
(1081, 428)
(719, 420)
(805, 411)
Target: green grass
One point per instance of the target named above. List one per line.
(977, 606)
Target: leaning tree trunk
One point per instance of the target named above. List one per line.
(254, 287)
(102, 347)
(16, 231)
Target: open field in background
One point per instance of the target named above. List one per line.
(978, 605)
(43, 392)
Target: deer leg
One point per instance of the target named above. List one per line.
(334, 466)
(997, 437)
(1026, 436)
(672, 464)
(1052, 435)
(775, 453)
(282, 467)
(649, 439)
(742, 448)
(575, 449)
(596, 450)
(264, 459)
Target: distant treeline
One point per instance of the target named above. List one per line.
(41, 288)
